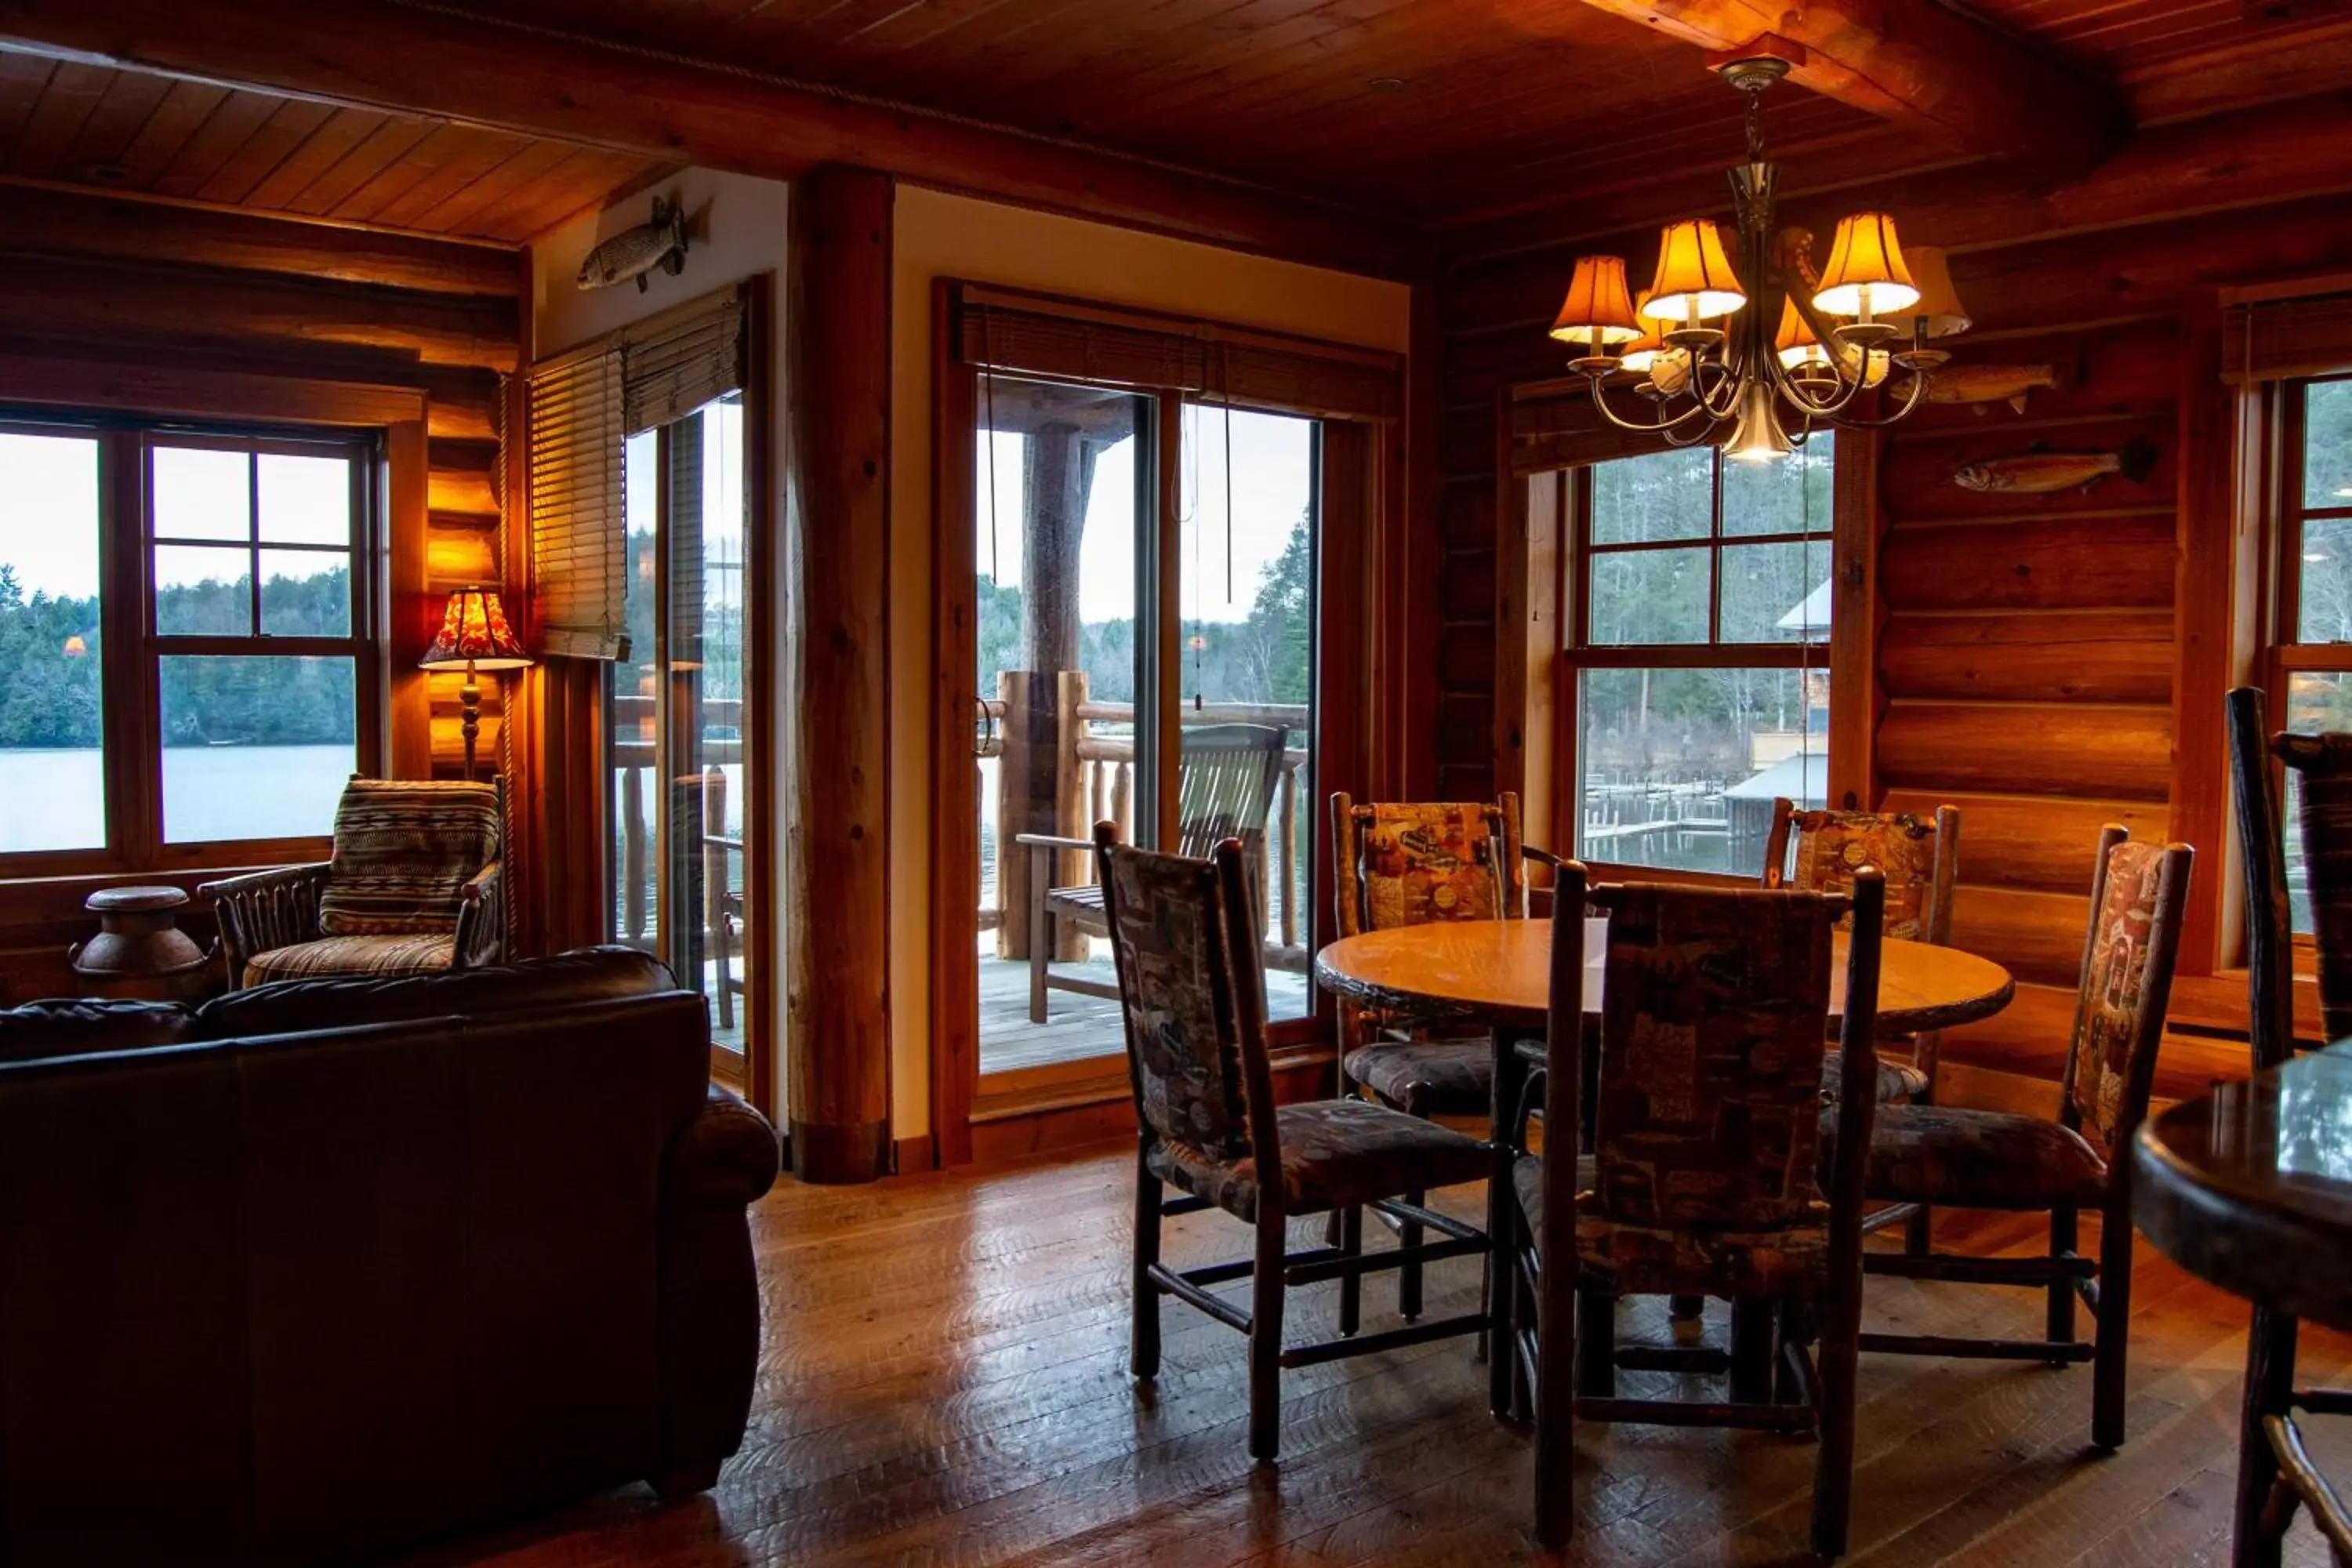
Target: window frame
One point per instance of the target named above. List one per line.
(1580, 654)
(132, 649)
(2284, 656)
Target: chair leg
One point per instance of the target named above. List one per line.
(1409, 1235)
(1351, 1286)
(1596, 1344)
(1920, 1231)
(2270, 1385)
(2064, 1236)
(1752, 1346)
(1559, 1365)
(2113, 1337)
(1266, 1339)
(1143, 1337)
(1789, 1329)
(1041, 934)
(1833, 1464)
(1684, 1313)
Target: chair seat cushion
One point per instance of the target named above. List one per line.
(1649, 1261)
(1336, 1154)
(1428, 1078)
(1898, 1081)
(1977, 1159)
(379, 957)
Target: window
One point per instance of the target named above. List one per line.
(2312, 688)
(1697, 654)
(186, 650)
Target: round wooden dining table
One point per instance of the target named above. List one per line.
(1498, 973)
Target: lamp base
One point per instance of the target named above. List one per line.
(469, 706)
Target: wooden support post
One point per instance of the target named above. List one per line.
(1072, 868)
(1026, 782)
(836, 521)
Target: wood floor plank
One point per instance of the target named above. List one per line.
(943, 1380)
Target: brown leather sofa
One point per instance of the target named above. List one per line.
(330, 1267)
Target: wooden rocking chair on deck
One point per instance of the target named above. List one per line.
(1225, 781)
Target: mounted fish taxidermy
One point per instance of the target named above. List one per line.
(1979, 385)
(2039, 471)
(635, 252)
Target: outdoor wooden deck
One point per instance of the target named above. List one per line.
(1076, 1026)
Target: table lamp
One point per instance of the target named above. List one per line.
(474, 635)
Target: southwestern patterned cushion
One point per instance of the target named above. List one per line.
(2324, 766)
(402, 851)
(2115, 990)
(1431, 862)
(1649, 1261)
(377, 957)
(1976, 1159)
(1176, 988)
(1711, 1043)
(1336, 1154)
(1897, 1081)
(1832, 846)
(1428, 1078)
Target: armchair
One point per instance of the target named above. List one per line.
(414, 886)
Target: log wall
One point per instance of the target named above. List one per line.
(2044, 662)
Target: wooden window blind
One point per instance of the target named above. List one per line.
(2279, 340)
(578, 516)
(673, 366)
(1024, 334)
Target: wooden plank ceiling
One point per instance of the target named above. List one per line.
(76, 124)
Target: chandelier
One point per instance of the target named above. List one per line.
(1697, 344)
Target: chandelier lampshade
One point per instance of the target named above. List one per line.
(1599, 311)
(1795, 342)
(1867, 275)
(1642, 353)
(1694, 281)
(1938, 301)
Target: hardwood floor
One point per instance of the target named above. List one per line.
(944, 1382)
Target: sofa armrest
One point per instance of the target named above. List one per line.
(481, 919)
(264, 910)
(727, 1157)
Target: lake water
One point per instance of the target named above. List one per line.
(56, 799)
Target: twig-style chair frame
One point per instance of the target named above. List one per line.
(1185, 936)
(2082, 1159)
(2276, 1475)
(1787, 1245)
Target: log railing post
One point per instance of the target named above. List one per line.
(633, 855)
(1285, 893)
(1072, 868)
(836, 521)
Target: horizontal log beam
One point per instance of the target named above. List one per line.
(1930, 70)
(477, 70)
(74, 226)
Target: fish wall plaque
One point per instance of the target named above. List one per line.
(635, 252)
(2039, 471)
(1979, 384)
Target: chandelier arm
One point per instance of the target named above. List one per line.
(1910, 402)
(1806, 401)
(1601, 402)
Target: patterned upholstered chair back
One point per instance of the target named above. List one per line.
(2322, 779)
(402, 851)
(1409, 864)
(2262, 858)
(1191, 1011)
(1714, 1014)
(2137, 897)
(1819, 852)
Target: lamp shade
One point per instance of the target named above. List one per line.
(1867, 275)
(1643, 351)
(1695, 278)
(1795, 341)
(1598, 309)
(474, 631)
(1938, 301)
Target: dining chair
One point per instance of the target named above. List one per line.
(2081, 1160)
(2276, 1475)
(1184, 937)
(1707, 1175)
(1407, 863)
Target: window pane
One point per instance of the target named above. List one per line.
(254, 746)
(2328, 444)
(305, 501)
(1681, 766)
(1249, 653)
(52, 763)
(1792, 496)
(201, 493)
(1666, 495)
(633, 730)
(1776, 592)
(2316, 700)
(2325, 613)
(1649, 596)
(306, 593)
(204, 591)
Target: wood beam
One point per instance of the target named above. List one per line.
(1928, 69)
(438, 62)
(837, 531)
